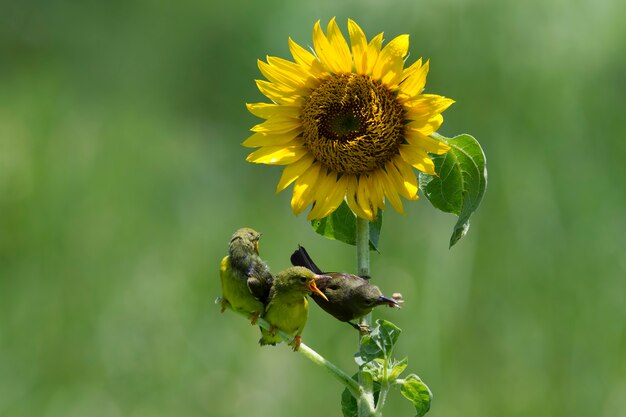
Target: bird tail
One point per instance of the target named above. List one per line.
(301, 258)
(267, 338)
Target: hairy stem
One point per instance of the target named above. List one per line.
(365, 402)
(313, 356)
(382, 397)
(384, 389)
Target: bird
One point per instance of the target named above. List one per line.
(347, 296)
(287, 308)
(246, 278)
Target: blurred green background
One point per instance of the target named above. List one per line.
(122, 179)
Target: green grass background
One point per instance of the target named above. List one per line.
(122, 179)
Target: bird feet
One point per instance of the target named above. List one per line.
(254, 317)
(224, 304)
(362, 328)
(296, 342)
(272, 330)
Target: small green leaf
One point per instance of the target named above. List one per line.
(341, 225)
(461, 183)
(397, 368)
(418, 393)
(378, 343)
(348, 404)
(374, 368)
(388, 334)
(368, 351)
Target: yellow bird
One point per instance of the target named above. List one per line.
(246, 279)
(287, 309)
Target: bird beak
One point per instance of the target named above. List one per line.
(389, 301)
(256, 247)
(316, 290)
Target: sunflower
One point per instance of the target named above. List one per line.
(348, 122)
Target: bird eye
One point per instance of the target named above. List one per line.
(303, 280)
(333, 287)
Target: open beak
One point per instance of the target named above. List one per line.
(389, 301)
(316, 290)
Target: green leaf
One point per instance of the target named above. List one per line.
(378, 343)
(387, 333)
(461, 183)
(368, 351)
(418, 393)
(397, 368)
(341, 225)
(348, 404)
(374, 368)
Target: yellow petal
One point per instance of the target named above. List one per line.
(322, 47)
(303, 189)
(278, 94)
(328, 195)
(363, 198)
(388, 67)
(351, 198)
(324, 185)
(407, 178)
(426, 104)
(325, 51)
(426, 125)
(426, 143)
(293, 171)
(418, 158)
(267, 110)
(335, 198)
(390, 190)
(306, 59)
(424, 112)
(373, 49)
(407, 72)
(414, 84)
(277, 155)
(359, 47)
(291, 69)
(277, 125)
(272, 139)
(376, 193)
(277, 75)
(340, 46)
(398, 181)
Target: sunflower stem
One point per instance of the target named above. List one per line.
(365, 402)
(312, 355)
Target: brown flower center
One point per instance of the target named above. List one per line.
(352, 123)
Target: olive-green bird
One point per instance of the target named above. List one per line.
(288, 308)
(246, 279)
(347, 297)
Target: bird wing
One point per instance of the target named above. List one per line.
(259, 288)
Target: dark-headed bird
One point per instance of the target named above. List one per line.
(347, 297)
